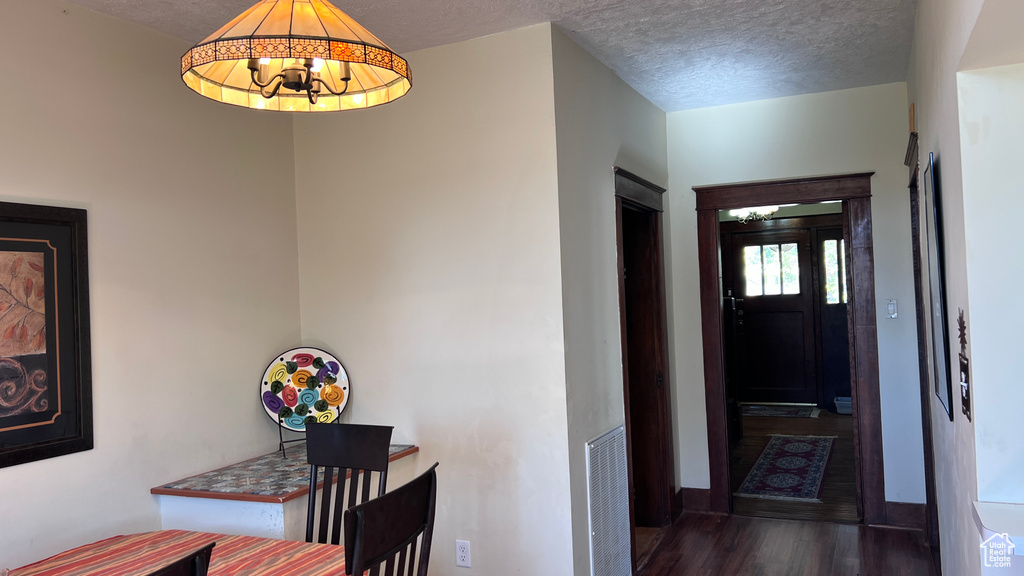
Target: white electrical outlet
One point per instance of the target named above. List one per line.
(462, 553)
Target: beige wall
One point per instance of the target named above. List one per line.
(941, 33)
(193, 277)
(429, 262)
(858, 130)
(601, 123)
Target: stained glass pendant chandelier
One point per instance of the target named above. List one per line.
(296, 55)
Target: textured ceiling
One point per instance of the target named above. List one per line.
(680, 54)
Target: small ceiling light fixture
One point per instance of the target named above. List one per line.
(298, 56)
(761, 213)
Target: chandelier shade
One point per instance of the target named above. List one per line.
(298, 56)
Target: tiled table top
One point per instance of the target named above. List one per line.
(267, 478)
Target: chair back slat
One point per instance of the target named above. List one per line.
(326, 494)
(382, 481)
(345, 478)
(385, 528)
(412, 557)
(365, 486)
(353, 490)
(311, 505)
(347, 453)
(400, 571)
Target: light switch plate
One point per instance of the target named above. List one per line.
(891, 309)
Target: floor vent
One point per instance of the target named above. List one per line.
(608, 504)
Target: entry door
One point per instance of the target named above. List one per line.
(776, 360)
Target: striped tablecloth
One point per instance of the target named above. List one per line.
(139, 554)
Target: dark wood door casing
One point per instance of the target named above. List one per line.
(855, 191)
(639, 195)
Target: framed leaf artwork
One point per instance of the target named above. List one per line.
(45, 365)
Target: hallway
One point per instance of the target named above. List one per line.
(719, 545)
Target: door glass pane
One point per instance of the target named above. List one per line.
(752, 269)
(772, 270)
(831, 272)
(790, 269)
(842, 267)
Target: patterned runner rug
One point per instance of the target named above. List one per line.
(780, 411)
(789, 468)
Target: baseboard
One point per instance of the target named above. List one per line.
(677, 505)
(694, 499)
(905, 515)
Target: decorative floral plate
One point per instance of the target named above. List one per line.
(304, 385)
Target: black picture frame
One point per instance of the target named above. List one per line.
(45, 353)
(937, 306)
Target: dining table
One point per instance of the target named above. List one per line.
(140, 554)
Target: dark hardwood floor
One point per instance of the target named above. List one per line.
(646, 540)
(720, 545)
(839, 492)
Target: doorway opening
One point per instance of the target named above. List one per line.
(643, 327)
(854, 191)
(787, 363)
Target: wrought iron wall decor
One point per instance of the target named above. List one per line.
(45, 358)
(965, 367)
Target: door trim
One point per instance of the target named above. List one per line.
(855, 192)
(637, 190)
(636, 193)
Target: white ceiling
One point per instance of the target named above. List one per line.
(680, 54)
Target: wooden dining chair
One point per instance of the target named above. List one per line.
(349, 453)
(195, 563)
(388, 530)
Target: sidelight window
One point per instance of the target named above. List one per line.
(772, 269)
(835, 271)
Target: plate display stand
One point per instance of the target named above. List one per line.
(281, 441)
